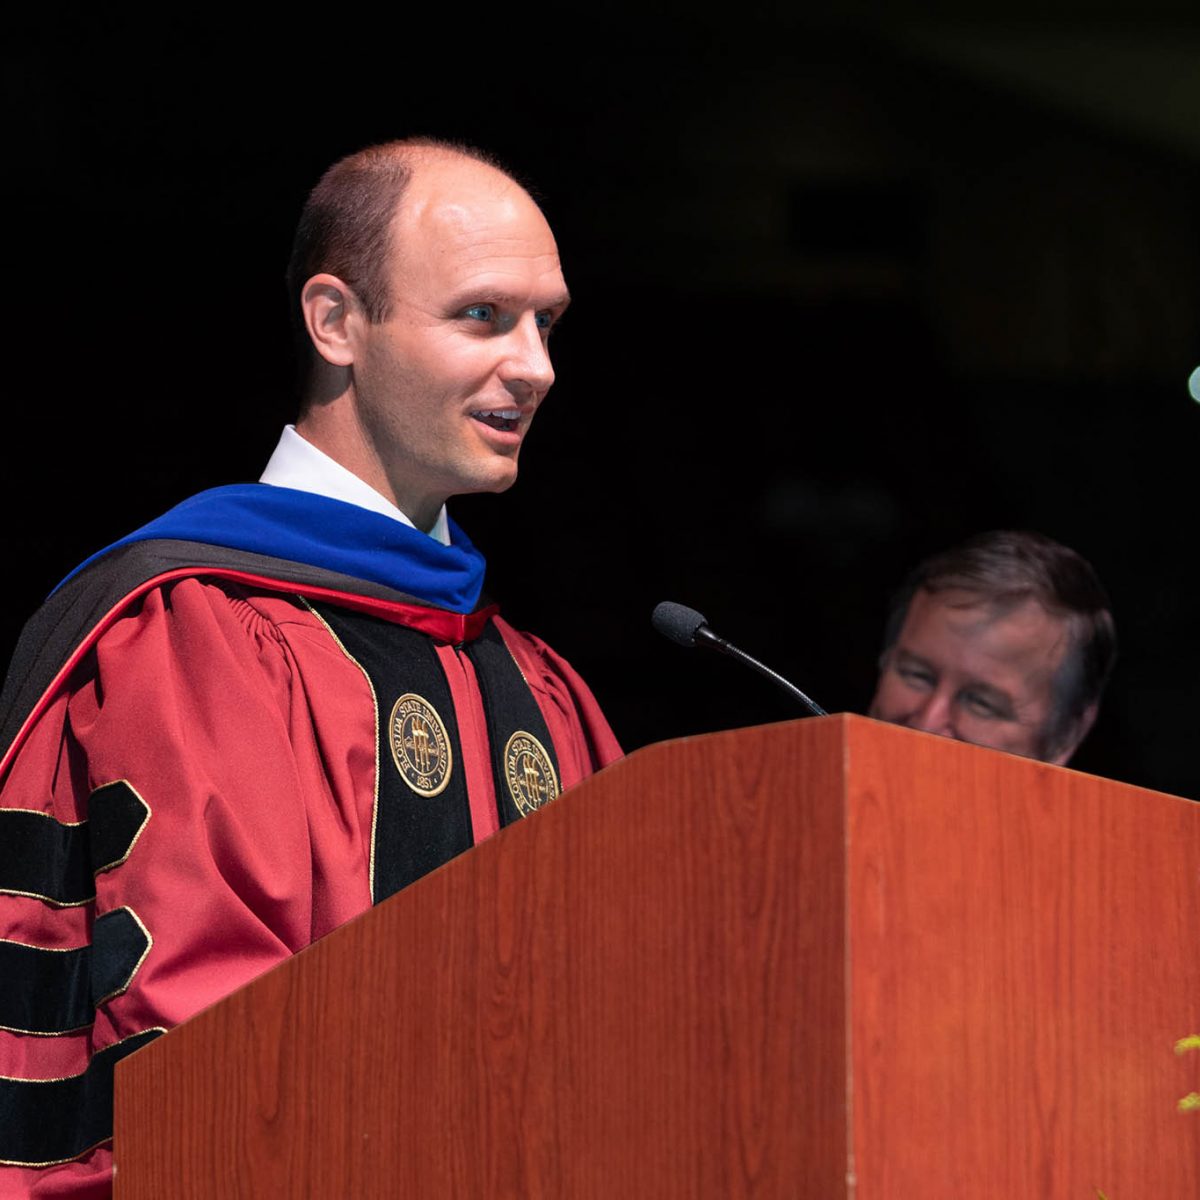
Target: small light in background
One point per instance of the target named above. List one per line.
(1194, 385)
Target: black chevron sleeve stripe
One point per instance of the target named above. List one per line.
(51, 1121)
(117, 815)
(56, 991)
(44, 991)
(55, 861)
(44, 858)
(120, 943)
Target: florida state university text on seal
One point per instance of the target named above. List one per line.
(420, 745)
(529, 772)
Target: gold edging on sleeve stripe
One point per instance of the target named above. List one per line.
(45, 950)
(75, 825)
(72, 949)
(54, 1162)
(79, 1074)
(49, 899)
(37, 812)
(44, 1032)
(137, 966)
(375, 705)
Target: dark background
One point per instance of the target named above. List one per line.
(847, 289)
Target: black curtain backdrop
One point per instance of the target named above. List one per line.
(835, 308)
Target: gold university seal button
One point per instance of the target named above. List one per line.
(529, 772)
(420, 745)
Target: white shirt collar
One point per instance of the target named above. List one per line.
(299, 464)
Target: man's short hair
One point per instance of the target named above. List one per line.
(346, 223)
(1005, 568)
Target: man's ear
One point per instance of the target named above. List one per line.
(330, 310)
(1076, 735)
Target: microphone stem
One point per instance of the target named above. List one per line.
(706, 635)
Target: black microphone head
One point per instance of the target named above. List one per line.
(677, 622)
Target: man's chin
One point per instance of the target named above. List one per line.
(498, 477)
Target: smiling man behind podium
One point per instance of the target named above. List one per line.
(281, 702)
(1006, 640)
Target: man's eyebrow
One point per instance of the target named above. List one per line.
(508, 300)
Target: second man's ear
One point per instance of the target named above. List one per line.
(330, 310)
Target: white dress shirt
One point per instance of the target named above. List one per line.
(298, 464)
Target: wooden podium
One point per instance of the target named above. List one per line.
(830, 958)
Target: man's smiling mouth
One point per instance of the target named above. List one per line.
(505, 419)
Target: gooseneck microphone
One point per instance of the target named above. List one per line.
(688, 628)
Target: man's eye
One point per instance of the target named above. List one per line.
(915, 676)
(545, 320)
(978, 706)
(480, 312)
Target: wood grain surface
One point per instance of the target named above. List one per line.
(638, 992)
(1025, 953)
(824, 959)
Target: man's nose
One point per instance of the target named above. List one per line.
(935, 714)
(527, 367)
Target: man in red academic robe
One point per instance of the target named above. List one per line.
(281, 702)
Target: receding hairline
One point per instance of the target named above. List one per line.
(418, 198)
(348, 225)
(416, 154)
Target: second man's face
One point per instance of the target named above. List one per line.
(961, 669)
(448, 384)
